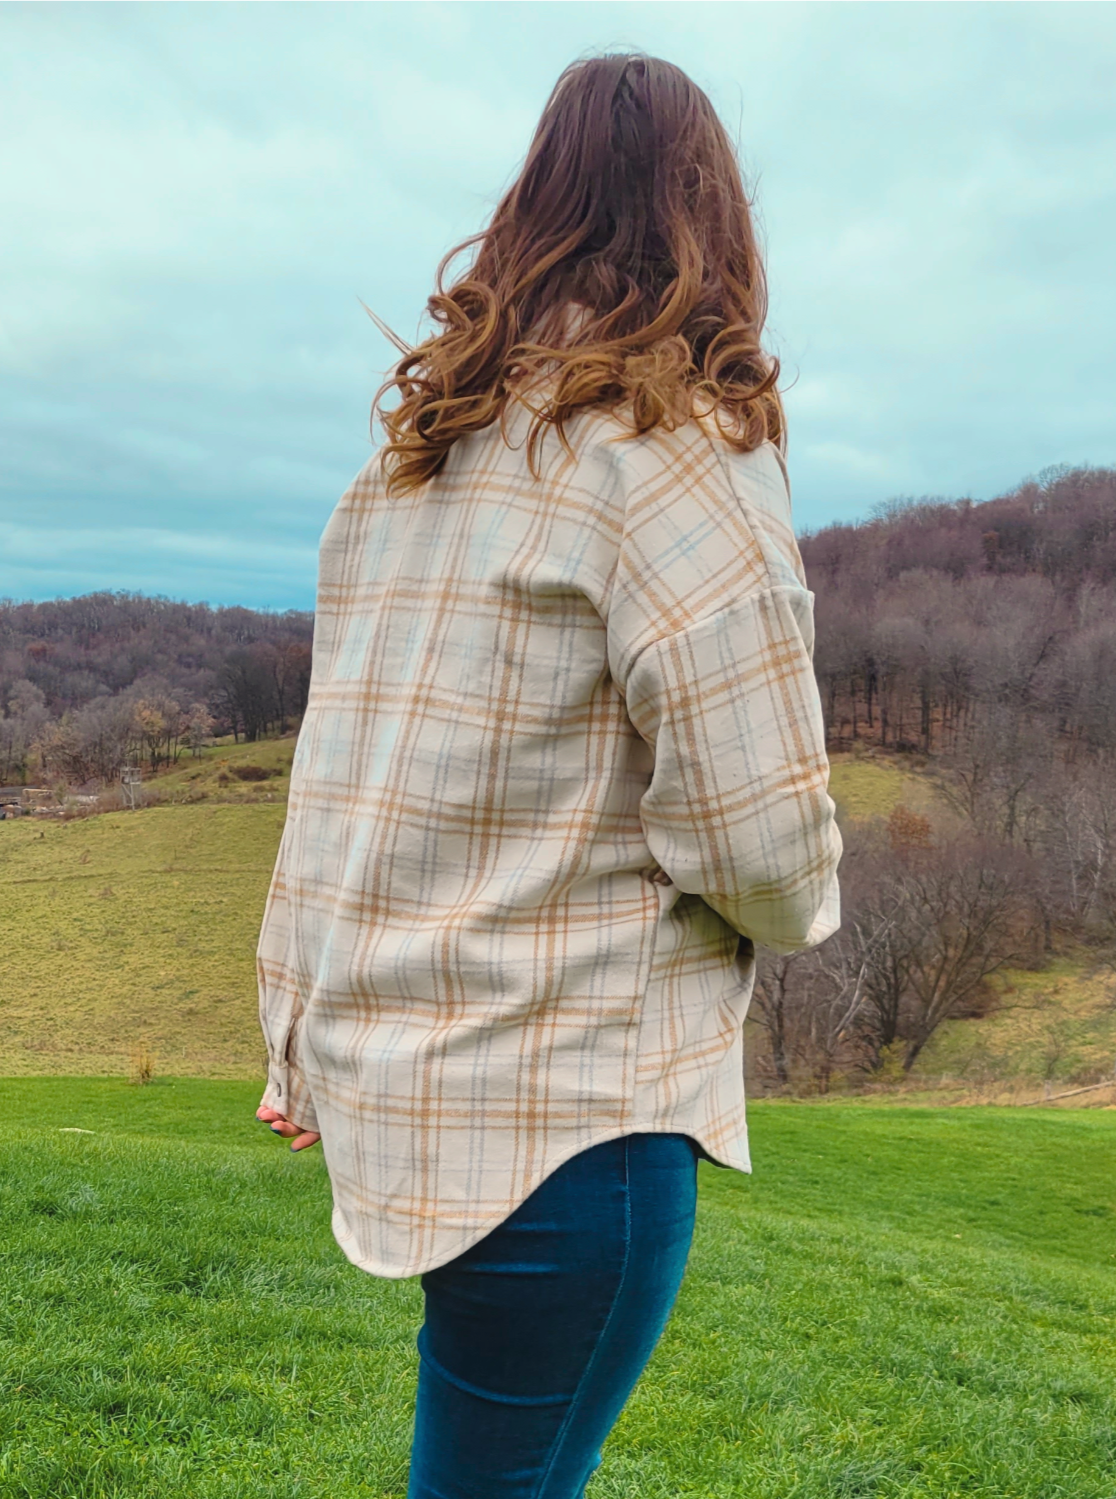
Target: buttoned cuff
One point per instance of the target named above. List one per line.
(288, 1094)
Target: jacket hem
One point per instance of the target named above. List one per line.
(385, 1270)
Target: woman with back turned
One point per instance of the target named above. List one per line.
(562, 765)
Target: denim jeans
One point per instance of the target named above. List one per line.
(536, 1335)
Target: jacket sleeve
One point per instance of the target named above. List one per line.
(287, 1090)
(737, 810)
(280, 996)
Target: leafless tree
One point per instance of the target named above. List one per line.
(965, 911)
(998, 760)
(1075, 845)
(21, 727)
(199, 727)
(924, 927)
(774, 1004)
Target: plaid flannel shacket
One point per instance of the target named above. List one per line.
(563, 746)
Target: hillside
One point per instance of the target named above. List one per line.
(942, 621)
(77, 649)
(137, 930)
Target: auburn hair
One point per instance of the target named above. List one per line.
(630, 214)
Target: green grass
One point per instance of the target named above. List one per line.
(870, 786)
(138, 929)
(1057, 1022)
(210, 776)
(134, 928)
(914, 1304)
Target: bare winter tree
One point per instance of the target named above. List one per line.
(289, 664)
(776, 1002)
(833, 1036)
(1075, 845)
(106, 738)
(999, 758)
(20, 728)
(964, 911)
(924, 927)
(246, 693)
(814, 1007)
(160, 724)
(199, 727)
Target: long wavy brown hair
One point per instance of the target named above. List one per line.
(621, 270)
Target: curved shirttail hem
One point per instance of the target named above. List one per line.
(471, 1236)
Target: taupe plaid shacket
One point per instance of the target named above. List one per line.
(563, 746)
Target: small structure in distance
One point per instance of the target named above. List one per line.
(131, 782)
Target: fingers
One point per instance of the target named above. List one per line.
(300, 1138)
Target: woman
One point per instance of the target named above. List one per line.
(562, 764)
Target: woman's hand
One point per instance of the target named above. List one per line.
(280, 1125)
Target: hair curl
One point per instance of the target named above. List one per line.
(620, 270)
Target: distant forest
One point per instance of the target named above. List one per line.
(970, 632)
(942, 621)
(91, 684)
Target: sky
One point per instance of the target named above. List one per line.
(195, 197)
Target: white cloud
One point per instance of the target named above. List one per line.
(201, 192)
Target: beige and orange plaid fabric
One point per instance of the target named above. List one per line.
(563, 746)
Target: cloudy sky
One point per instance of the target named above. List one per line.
(194, 197)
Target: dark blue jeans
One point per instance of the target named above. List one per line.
(536, 1335)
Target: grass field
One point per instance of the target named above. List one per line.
(130, 929)
(916, 1304)
(873, 786)
(137, 930)
(211, 775)
(1057, 1023)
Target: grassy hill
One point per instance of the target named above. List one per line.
(890, 1307)
(134, 929)
(216, 774)
(137, 930)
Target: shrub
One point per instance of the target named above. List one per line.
(143, 1066)
(252, 772)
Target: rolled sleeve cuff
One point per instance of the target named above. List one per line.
(828, 919)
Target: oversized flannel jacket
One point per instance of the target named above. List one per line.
(562, 765)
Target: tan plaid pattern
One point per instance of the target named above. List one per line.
(563, 746)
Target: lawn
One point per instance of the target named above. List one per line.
(916, 1303)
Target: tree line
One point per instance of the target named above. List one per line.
(980, 641)
(90, 684)
(934, 613)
